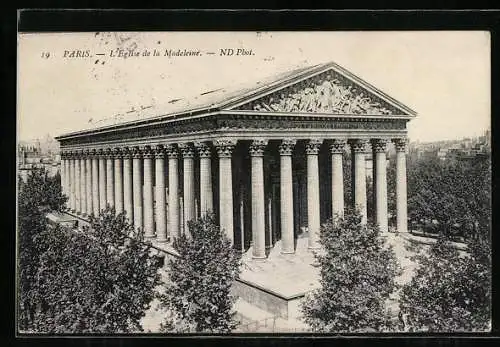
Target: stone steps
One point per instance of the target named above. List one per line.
(255, 320)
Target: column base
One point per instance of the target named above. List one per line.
(259, 258)
(287, 252)
(161, 240)
(313, 248)
(149, 236)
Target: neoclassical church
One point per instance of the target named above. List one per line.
(267, 159)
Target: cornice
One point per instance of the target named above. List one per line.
(249, 120)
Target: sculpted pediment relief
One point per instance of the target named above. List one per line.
(328, 92)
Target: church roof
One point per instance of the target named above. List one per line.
(237, 94)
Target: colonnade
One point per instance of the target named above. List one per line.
(134, 181)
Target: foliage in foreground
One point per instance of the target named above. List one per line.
(450, 292)
(100, 280)
(357, 272)
(198, 291)
(38, 195)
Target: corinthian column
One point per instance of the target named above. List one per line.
(359, 149)
(128, 197)
(72, 181)
(102, 180)
(83, 190)
(188, 160)
(286, 197)
(401, 203)
(173, 191)
(258, 199)
(65, 176)
(206, 198)
(137, 183)
(148, 155)
(379, 147)
(224, 150)
(78, 200)
(68, 179)
(110, 185)
(337, 151)
(118, 188)
(63, 172)
(161, 220)
(88, 181)
(312, 150)
(95, 183)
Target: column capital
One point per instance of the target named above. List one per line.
(187, 149)
(225, 147)
(313, 145)
(147, 152)
(286, 146)
(172, 151)
(79, 153)
(379, 145)
(203, 149)
(136, 153)
(87, 153)
(359, 145)
(257, 147)
(94, 153)
(117, 153)
(338, 146)
(400, 144)
(101, 153)
(159, 152)
(127, 153)
(109, 153)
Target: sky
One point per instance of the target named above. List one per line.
(442, 75)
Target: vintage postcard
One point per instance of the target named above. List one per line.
(253, 182)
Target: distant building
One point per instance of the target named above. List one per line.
(30, 155)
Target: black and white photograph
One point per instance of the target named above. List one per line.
(260, 182)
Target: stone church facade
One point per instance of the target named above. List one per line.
(267, 160)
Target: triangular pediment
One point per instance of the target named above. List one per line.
(330, 91)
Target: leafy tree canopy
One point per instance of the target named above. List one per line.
(450, 291)
(456, 195)
(101, 280)
(37, 195)
(357, 272)
(198, 291)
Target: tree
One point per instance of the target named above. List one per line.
(357, 270)
(450, 291)
(101, 280)
(456, 195)
(198, 291)
(38, 195)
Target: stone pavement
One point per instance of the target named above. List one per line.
(286, 274)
